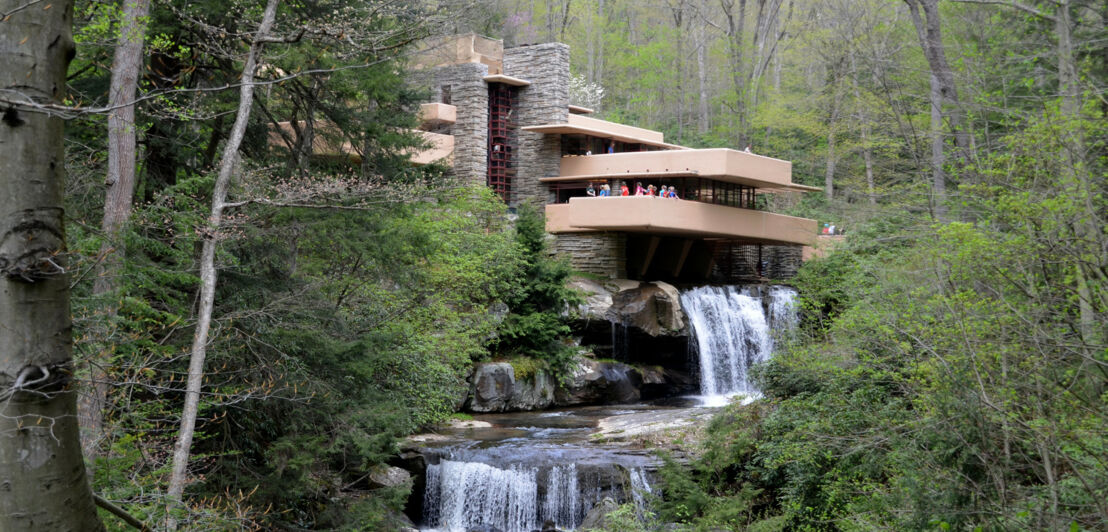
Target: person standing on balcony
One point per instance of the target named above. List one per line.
(650, 190)
(623, 191)
(612, 147)
(673, 192)
(589, 191)
(605, 191)
(639, 191)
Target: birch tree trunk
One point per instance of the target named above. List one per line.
(126, 67)
(208, 272)
(42, 475)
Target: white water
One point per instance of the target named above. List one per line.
(465, 494)
(461, 495)
(732, 333)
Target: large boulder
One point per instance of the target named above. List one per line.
(595, 382)
(496, 389)
(596, 519)
(384, 476)
(653, 308)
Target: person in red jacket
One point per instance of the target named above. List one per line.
(623, 191)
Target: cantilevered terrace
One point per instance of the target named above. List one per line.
(720, 189)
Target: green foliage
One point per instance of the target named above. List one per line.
(944, 379)
(536, 324)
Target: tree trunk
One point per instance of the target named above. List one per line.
(863, 119)
(208, 272)
(736, 23)
(938, 158)
(929, 32)
(702, 76)
(832, 123)
(42, 474)
(117, 204)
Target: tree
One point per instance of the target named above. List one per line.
(117, 204)
(943, 97)
(207, 261)
(41, 468)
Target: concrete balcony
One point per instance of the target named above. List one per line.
(441, 147)
(662, 216)
(720, 164)
(437, 114)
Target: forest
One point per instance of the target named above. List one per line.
(205, 325)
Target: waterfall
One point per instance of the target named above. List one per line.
(516, 498)
(732, 331)
(561, 505)
(465, 494)
(782, 308)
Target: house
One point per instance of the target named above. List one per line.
(508, 118)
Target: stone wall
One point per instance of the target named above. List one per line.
(545, 101)
(470, 94)
(598, 253)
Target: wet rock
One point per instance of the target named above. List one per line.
(596, 519)
(496, 389)
(388, 477)
(549, 526)
(594, 382)
(654, 308)
(483, 528)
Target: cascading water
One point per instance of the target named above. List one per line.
(732, 331)
(465, 494)
(519, 498)
(782, 308)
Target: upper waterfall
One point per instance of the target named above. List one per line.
(732, 328)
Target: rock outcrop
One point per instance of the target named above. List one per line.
(594, 382)
(653, 308)
(596, 519)
(496, 389)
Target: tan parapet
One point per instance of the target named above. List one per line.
(729, 166)
(437, 114)
(659, 216)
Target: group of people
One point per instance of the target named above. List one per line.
(649, 190)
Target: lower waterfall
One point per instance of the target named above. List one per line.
(519, 498)
(732, 327)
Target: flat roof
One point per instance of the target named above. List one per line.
(507, 80)
(578, 110)
(570, 129)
